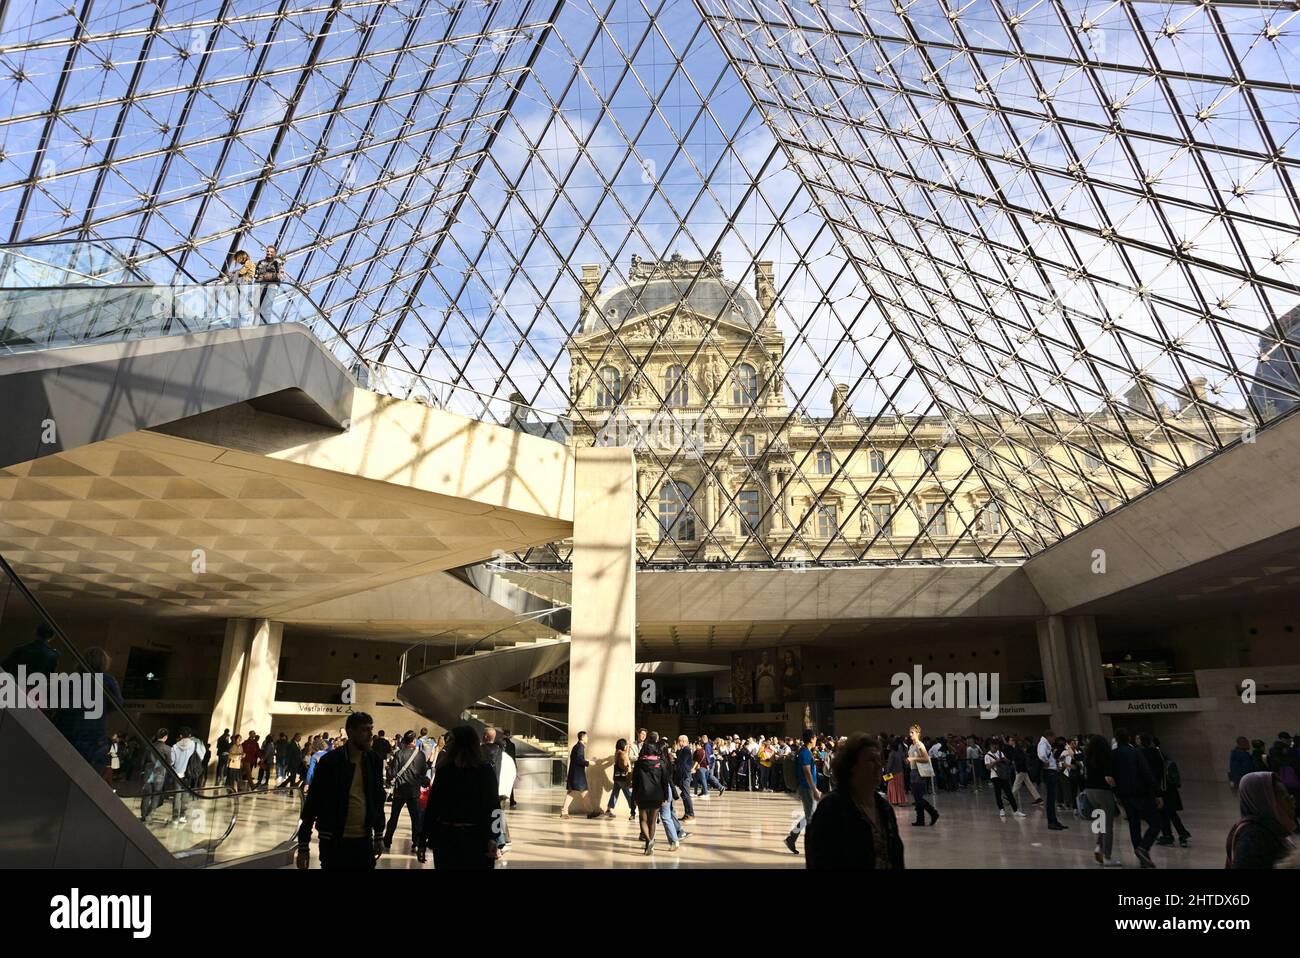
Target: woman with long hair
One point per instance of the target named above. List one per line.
(622, 779)
(1263, 836)
(463, 812)
(853, 826)
(1099, 786)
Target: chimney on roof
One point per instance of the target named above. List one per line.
(1138, 397)
(590, 287)
(1193, 393)
(764, 286)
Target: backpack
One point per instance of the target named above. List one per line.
(790, 771)
(1006, 770)
(1173, 779)
(193, 770)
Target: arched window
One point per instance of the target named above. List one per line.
(677, 391)
(676, 518)
(609, 387)
(744, 385)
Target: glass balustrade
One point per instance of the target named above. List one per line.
(199, 821)
(75, 293)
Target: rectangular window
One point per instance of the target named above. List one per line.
(827, 525)
(876, 460)
(931, 457)
(746, 443)
(991, 519)
(882, 513)
(936, 517)
(747, 503)
(823, 464)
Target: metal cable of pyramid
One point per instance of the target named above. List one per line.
(860, 281)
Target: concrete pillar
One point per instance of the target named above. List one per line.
(1053, 653)
(1090, 682)
(246, 676)
(1071, 658)
(261, 669)
(230, 679)
(602, 653)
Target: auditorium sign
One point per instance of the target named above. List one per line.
(1008, 709)
(1157, 706)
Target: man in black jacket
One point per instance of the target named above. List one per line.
(683, 775)
(408, 770)
(346, 802)
(1136, 788)
(292, 761)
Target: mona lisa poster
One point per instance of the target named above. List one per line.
(766, 677)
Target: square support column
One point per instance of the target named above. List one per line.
(261, 670)
(230, 679)
(1071, 658)
(1089, 679)
(246, 677)
(602, 653)
(1054, 654)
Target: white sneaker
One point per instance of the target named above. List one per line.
(1019, 814)
(1113, 863)
(1002, 813)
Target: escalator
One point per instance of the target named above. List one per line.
(57, 806)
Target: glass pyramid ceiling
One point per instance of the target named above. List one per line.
(861, 281)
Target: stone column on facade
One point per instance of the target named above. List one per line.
(602, 652)
(774, 491)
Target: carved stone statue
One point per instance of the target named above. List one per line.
(711, 372)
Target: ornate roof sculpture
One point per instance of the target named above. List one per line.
(1057, 236)
(655, 285)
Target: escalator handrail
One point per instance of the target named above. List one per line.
(178, 785)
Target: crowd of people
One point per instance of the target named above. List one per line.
(1091, 779)
(848, 788)
(455, 789)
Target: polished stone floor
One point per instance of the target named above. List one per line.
(745, 830)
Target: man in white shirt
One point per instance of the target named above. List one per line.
(1050, 772)
(634, 747)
